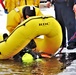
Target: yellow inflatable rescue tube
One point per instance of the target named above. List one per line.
(30, 29)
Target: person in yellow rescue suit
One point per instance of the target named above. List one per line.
(11, 4)
(15, 17)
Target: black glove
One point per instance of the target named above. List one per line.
(5, 35)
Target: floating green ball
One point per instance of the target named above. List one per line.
(27, 58)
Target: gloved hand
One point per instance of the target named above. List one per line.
(5, 36)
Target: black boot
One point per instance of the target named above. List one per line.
(71, 46)
(72, 56)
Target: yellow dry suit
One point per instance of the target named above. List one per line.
(15, 17)
(11, 4)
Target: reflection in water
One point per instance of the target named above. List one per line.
(47, 67)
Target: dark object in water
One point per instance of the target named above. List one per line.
(72, 56)
(67, 59)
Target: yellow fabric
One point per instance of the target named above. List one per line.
(1, 37)
(14, 18)
(30, 29)
(8, 5)
(11, 4)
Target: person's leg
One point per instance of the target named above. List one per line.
(70, 22)
(68, 19)
(59, 18)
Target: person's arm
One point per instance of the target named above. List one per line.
(13, 21)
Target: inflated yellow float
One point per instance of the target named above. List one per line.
(30, 29)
